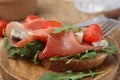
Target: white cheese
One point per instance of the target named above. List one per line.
(79, 36)
(18, 33)
(103, 43)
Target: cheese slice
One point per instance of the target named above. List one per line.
(79, 36)
(103, 43)
(18, 34)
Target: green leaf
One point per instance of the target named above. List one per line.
(50, 76)
(69, 76)
(19, 51)
(80, 75)
(74, 28)
(88, 55)
(12, 52)
(58, 30)
(69, 72)
(30, 48)
(36, 45)
(92, 73)
(23, 51)
(7, 45)
(111, 49)
(65, 28)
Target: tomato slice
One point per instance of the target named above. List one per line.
(3, 25)
(30, 18)
(51, 23)
(93, 33)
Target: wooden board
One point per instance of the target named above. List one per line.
(21, 69)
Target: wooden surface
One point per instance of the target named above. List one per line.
(64, 11)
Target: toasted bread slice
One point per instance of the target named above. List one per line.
(74, 65)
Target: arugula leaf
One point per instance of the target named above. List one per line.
(111, 49)
(50, 76)
(69, 76)
(7, 45)
(12, 52)
(81, 75)
(30, 48)
(88, 55)
(35, 45)
(69, 72)
(65, 28)
(19, 51)
(23, 51)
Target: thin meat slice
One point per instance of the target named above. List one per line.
(34, 24)
(62, 44)
(18, 26)
(40, 34)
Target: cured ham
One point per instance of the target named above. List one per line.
(34, 24)
(61, 44)
(18, 26)
(41, 24)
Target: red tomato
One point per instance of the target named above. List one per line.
(51, 23)
(3, 25)
(31, 17)
(93, 33)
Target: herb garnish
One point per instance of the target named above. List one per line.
(89, 54)
(66, 28)
(69, 76)
(111, 49)
(30, 49)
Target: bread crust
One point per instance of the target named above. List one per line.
(74, 65)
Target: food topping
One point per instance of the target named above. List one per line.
(79, 36)
(30, 18)
(69, 75)
(18, 35)
(51, 23)
(60, 40)
(61, 44)
(65, 28)
(32, 49)
(104, 43)
(3, 25)
(93, 33)
(34, 23)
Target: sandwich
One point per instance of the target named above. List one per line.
(70, 52)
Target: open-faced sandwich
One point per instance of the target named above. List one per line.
(66, 50)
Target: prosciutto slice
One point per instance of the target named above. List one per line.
(18, 26)
(61, 44)
(34, 24)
